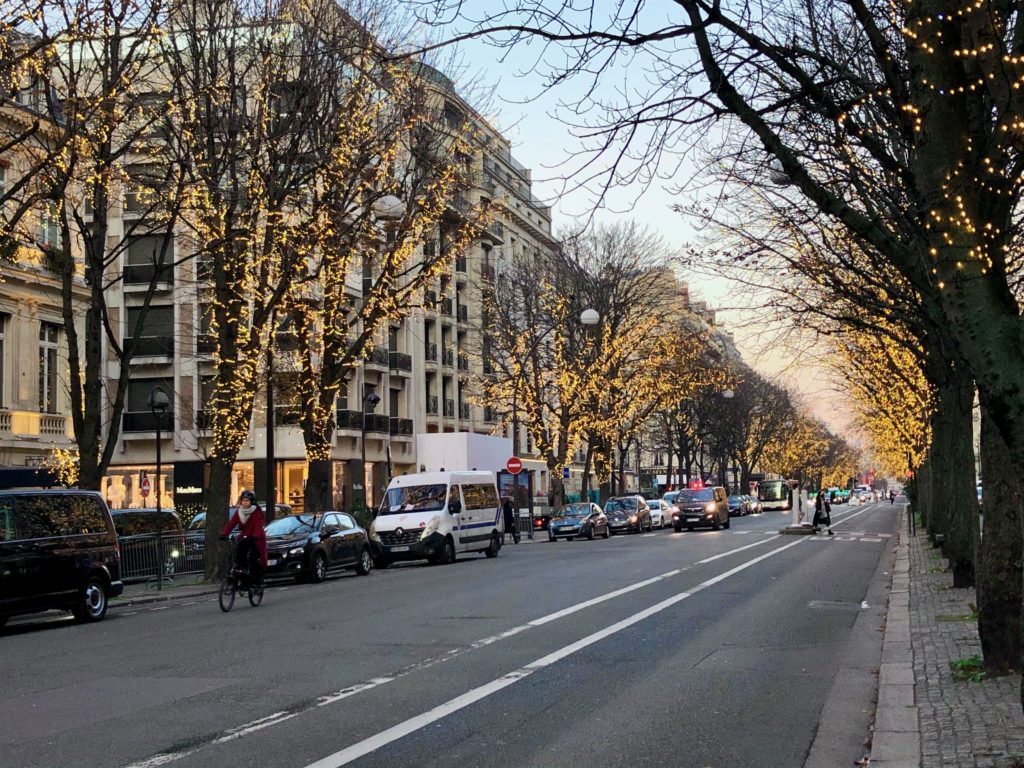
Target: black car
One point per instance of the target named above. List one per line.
(308, 546)
(628, 513)
(737, 506)
(585, 520)
(58, 549)
(704, 506)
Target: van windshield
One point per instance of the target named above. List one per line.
(414, 498)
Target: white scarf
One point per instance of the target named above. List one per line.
(245, 514)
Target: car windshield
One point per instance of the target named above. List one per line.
(575, 510)
(703, 495)
(670, 497)
(198, 522)
(654, 504)
(293, 525)
(414, 498)
(734, 499)
(620, 505)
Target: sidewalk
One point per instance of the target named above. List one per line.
(180, 588)
(927, 715)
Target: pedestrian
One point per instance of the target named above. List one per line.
(510, 520)
(892, 497)
(822, 511)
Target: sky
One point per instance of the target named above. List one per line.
(511, 94)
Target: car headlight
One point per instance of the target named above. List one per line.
(632, 518)
(296, 551)
(373, 533)
(675, 515)
(432, 526)
(710, 508)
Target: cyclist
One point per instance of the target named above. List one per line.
(251, 555)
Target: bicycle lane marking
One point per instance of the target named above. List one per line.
(164, 758)
(382, 739)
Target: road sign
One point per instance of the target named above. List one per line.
(565, 473)
(514, 465)
(144, 487)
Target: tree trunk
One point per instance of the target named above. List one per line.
(954, 499)
(319, 494)
(585, 483)
(1000, 587)
(217, 502)
(924, 495)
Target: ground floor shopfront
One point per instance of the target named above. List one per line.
(181, 484)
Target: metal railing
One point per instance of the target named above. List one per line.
(181, 552)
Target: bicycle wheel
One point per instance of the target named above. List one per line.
(227, 594)
(256, 595)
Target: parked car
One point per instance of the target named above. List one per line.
(308, 546)
(141, 552)
(737, 507)
(583, 519)
(753, 504)
(628, 513)
(58, 549)
(670, 497)
(661, 513)
(707, 506)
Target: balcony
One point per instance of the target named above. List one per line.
(449, 409)
(401, 427)
(496, 230)
(430, 352)
(460, 204)
(206, 344)
(346, 419)
(463, 362)
(379, 356)
(143, 274)
(463, 313)
(399, 361)
(150, 346)
(464, 411)
(448, 357)
(378, 423)
(429, 299)
(288, 414)
(146, 421)
(487, 272)
(204, 419)
(446, 307)
(432, 405)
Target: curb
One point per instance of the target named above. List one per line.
(163, 597)
(897, 736)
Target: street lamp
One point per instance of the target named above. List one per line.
(372, 399)
(158, 404)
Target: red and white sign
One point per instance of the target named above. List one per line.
(144, 487)
(514, 465)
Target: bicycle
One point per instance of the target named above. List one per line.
(238, 580)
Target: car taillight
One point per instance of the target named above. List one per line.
(117, 551)
(537, 523)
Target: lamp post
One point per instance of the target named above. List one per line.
(158, 404)
(371, 399)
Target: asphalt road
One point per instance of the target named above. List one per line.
(692, 649)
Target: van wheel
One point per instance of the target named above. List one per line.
(365, 563)
(492, 551)
(92, 600)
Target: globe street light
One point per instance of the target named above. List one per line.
(159, 404)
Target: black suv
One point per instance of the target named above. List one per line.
(704, 506)
(58, 549)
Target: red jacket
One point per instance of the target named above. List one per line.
(250, 529)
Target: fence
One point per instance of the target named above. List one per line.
(180, 552)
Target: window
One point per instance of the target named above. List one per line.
(145, 255)
(480, 496)
(139, 417)
(34, 518)
(49, 226)
(7, 520)
(49, 336)
(344, 522)
(156, 335)
(86, 516)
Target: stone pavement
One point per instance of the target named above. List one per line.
(927, 716)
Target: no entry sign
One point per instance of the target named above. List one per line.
(514, 465)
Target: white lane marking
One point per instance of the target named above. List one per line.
(865, 538)
(373, 743)
(169, 757)
(864, 605)
(734, 551)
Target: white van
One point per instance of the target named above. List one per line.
(434, 515)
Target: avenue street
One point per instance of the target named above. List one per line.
(730, 648)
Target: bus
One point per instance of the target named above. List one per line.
(774, 495)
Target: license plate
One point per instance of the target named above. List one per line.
(398, 549)
(271, 562)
